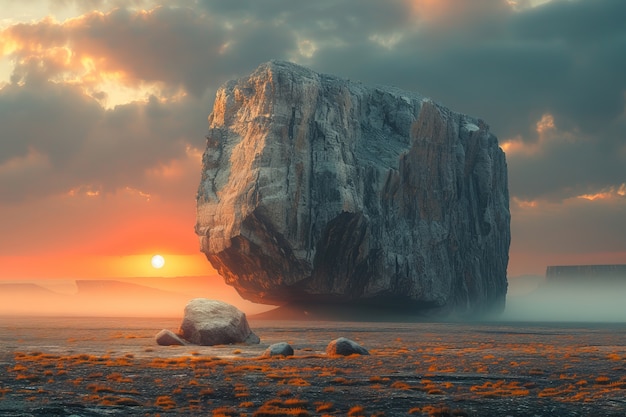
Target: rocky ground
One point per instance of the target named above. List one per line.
(414, 369)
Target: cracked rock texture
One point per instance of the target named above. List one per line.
(317, 189)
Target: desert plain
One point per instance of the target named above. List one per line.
(76, 366)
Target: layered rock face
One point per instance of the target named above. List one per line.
(316, 189)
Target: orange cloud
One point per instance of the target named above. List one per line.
(115, 52)
(606, 194)
(547, 135)
(84, 190)
(545, 124)
(178, 168)
(455, 11)
(524, 204)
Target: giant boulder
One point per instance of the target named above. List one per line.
(316, 189)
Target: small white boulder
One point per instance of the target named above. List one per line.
(212, 322)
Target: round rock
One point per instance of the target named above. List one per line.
(345, 347)
(212, 322)
(279, 349)
(169, 338)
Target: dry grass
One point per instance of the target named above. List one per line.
(356, 411)
(400, 375)
(323, 407)
(289, 407)
(499, 389)
(225, 412)
(401, 385)
(165, 401)
(299, 382)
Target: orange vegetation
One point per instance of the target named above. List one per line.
(428, 376)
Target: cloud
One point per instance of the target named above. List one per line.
(561, 164)
(169, 46)
(56, 139)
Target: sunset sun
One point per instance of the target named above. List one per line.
(157, 261)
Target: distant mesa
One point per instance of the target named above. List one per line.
(16, 289)
(588, 274)
(319, 190)
(129, 297)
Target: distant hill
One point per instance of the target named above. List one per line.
(193, 286)
(120, 289)
(586, 273)
(27, 288)
(131, 297)
(28, 299)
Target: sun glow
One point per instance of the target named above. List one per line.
(157, 261)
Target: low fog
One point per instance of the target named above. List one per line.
(120, 297)
(530, 298)
(591, 300)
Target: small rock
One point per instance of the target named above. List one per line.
(212, 322)
(345, 347)
(279, 349)
(169, 338)
(252, 339)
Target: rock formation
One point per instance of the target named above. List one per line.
(316, 189)
(211, 322)
(587, 274)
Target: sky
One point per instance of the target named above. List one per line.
(104, 105)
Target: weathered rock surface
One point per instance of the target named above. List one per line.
(318, 189)
(211, 322)
(278, 349)
(169, 338)
(345, 347)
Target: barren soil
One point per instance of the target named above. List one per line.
(109, 367)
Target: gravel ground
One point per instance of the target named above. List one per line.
(109, 367)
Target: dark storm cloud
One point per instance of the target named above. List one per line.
(65, 140)
(593, 35)
(566, 169)
(577, 21)
(53, 120)
(323, 18)
(165, 45)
